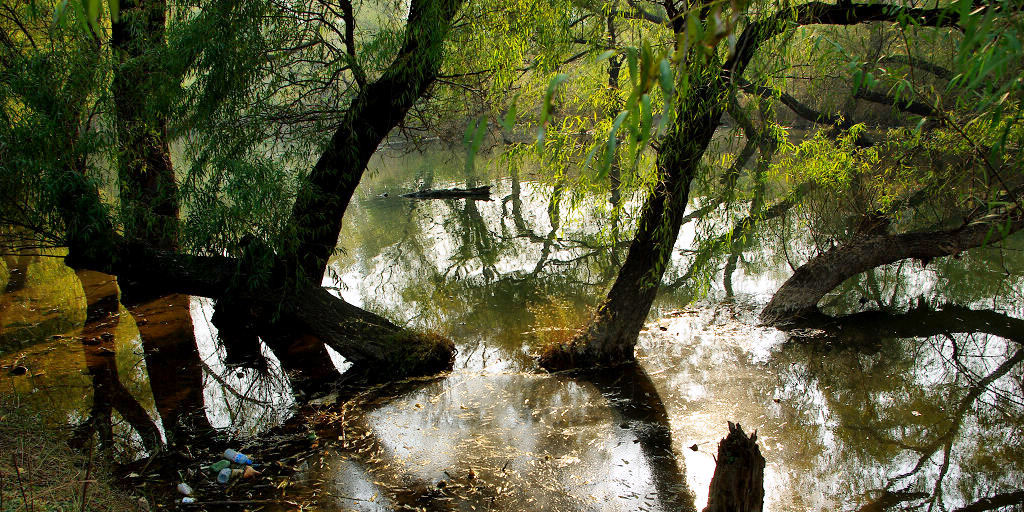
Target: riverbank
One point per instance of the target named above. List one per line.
(40, 471)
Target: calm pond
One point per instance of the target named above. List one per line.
(919, 407)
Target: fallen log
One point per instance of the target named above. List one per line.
(475, 193)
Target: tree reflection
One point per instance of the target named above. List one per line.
(942, 429)
(109, 394)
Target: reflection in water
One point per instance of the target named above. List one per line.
(173, 366)
(507, 442)
(109, 394)
(921, 408)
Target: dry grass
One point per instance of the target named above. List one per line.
(40, 472)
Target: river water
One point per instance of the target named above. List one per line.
(922, 405)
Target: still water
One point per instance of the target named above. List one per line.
(920, 407)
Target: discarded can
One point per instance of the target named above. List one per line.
(219, 465)
(185, 489)
(234, 456)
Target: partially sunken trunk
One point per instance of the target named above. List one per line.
(609, 339)
(798, 297)
(738, 483)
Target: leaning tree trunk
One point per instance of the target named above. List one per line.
(376, 110)
(798, 297)
(378, 348)
(610, 337)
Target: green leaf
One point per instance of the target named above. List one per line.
(115, 10)
(508, 121)
(556, 81)
(667, 80)
(631, 61)
(646, 119)
(473, 138)
(58, 13)
(92, 9)
(612, 142)
(605, 55)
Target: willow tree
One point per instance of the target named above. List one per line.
(712, 47)
(266, 176)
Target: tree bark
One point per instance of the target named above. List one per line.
(377, 109)
(610, 337)
(798, 297)
(738, 482)
(147, 188)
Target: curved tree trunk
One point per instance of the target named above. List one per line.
(295, 306)
(378, 108)
(798, 297)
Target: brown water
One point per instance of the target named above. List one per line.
(926, 403)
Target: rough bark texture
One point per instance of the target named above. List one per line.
(798, 297)
(610, 338)
(148, 191)
(738, 482)
(376, 110)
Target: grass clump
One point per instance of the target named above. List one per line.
(40, 472)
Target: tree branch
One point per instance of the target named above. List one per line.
(821, 13)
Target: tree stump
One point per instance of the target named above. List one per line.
(738, 483)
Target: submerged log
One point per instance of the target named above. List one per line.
(738, 483)
(475, 193)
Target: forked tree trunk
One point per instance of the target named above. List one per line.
(738, 483)
(798, 297)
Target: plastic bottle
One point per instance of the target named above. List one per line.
(236, 457)
(185, 489)
(228, 474)
(219, 465)
(188, 499)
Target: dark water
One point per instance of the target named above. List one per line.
(925, 403)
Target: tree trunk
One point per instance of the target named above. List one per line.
(148, 191)
(610, 337)
(798, 297)
(378, 108)
(738, 483)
